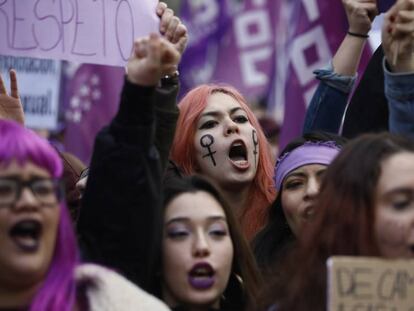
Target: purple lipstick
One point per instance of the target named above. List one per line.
(201, 276)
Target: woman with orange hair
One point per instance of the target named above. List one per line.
(219, 137)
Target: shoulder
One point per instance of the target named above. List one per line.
(109, 291)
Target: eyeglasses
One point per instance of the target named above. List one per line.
(47, 191)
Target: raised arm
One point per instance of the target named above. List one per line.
(328, 104)
(398, 45)
(166, 111)
(119, 224)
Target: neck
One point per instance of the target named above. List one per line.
(237, 199)
(16, 298)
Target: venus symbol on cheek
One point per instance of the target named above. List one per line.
(206, 141)
(255, 143)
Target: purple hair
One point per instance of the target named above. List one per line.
(59, 288)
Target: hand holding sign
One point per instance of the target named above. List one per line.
(397, 36)
(151, 58)
(10, 105)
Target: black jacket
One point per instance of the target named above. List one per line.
(120, 219)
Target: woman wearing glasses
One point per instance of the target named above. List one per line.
(39, 267)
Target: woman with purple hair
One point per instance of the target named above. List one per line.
(39, 268)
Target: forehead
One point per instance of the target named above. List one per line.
(194, 206)
(221, 102)
(397, 171)
(309, 169)
(26, 170)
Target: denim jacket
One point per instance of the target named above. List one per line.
(328, 104)
(399, 91)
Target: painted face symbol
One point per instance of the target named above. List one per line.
(207, 141)
(256, 143)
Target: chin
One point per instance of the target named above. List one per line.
(208, 300)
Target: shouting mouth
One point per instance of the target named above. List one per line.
(201, 276)
(26, 235)
(238, 155)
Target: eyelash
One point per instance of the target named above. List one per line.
(293, 184)
(218, 232)
(177, 234)
(402, 204)
(240, 119)
(208, 125)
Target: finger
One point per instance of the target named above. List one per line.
(180, 32)
(13, 84)
(172, 27)
(140, 47)
(154, 49)
(161, 6)
(170, 54)
(405, 16)
(2, 86)
(403, 29)
(165, 20)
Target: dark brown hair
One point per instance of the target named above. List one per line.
(343, 225)
(238, 295)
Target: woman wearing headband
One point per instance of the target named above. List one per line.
(365, 208)
(298, 174)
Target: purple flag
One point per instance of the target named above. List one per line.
(91, 99)
(231, 41)
(264, 48)
(308, 34)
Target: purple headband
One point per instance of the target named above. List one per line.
(308, 153)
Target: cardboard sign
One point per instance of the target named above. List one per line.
(39, 84)
(85, 31)
(370, 284)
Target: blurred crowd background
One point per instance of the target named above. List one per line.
(268, 49)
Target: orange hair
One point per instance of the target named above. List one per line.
(262, 191)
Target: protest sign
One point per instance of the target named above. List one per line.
(370, 284)
(39, 83)
(85, 31)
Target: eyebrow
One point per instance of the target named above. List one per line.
(187, 219)
(302, 174)
(402, 190)
(215, 113)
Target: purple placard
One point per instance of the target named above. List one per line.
(84, 31)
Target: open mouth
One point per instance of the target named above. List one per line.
(26, 235)
(309, 212)
(201, 276)
(238, 154)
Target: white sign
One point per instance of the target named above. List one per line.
(39, 85)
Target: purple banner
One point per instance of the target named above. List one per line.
(92, 94)
(264, 47)
(309, 33)
(232, 42)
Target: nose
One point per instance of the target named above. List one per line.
(231, 128)
(201, 247)
(312, 188)
(27, 200)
